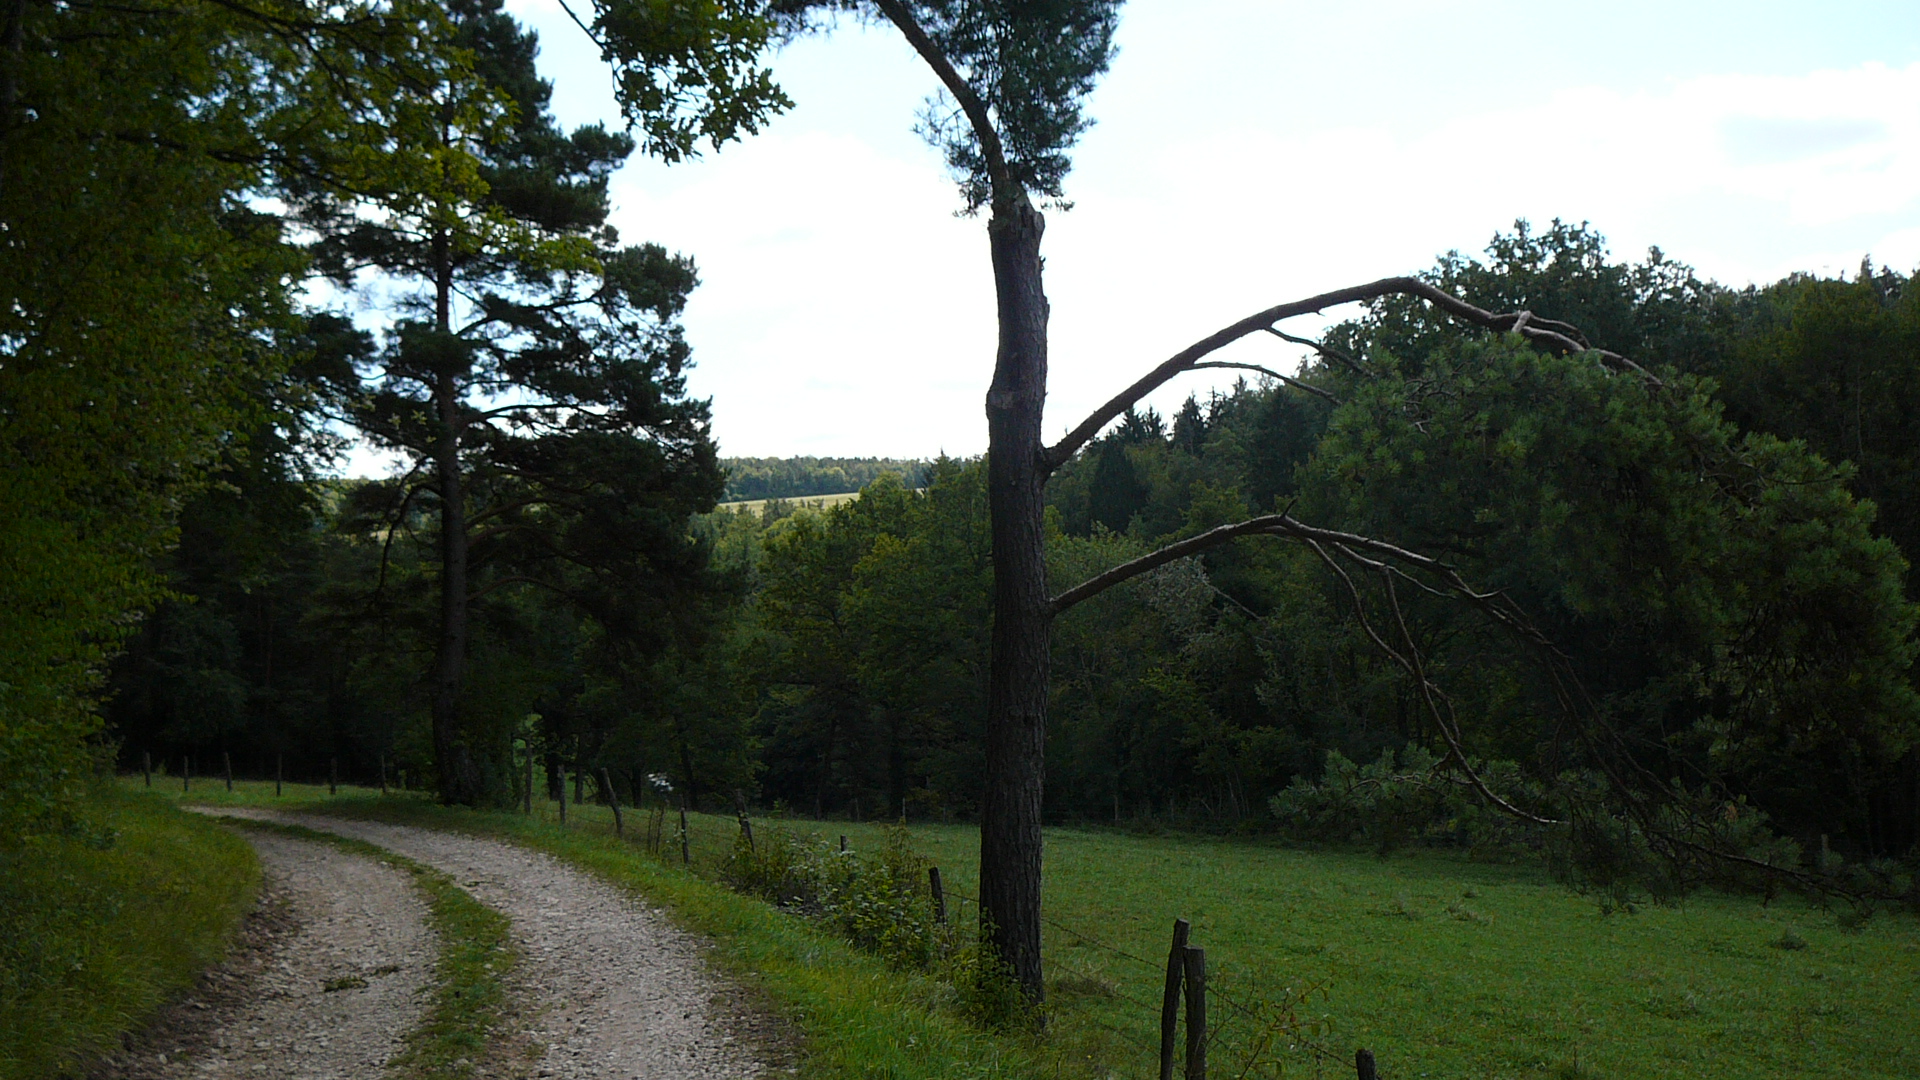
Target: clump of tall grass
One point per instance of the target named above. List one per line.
(881, 903)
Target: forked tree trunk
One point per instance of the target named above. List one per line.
(1022, 615)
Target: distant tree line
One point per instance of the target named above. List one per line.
(750, 478)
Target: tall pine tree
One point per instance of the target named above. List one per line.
(535, 383)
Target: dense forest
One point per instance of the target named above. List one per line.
(1726, 575)
(749, 479)
(1639, 584)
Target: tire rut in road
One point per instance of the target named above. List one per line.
(620, 993)
(325, 980)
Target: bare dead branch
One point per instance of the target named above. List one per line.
(1543, 332)
(1323, 349)
(1211, 538)
(1316, 391)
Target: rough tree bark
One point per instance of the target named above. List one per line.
(459, 781)
(1022, 610)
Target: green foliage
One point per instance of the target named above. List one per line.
(1400, 799)
(1031, 65)
(879, 903)
(101, 922)
(145, 296)
(796, 477)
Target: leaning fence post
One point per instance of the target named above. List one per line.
(1170, 1001)
(939, 896)
(226, 760)
(613, 800)
(1363, 1061)
(1196, 978)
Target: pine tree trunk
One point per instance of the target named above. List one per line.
(1022, 618)
(459, 779)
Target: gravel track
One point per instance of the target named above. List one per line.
(618, 992)
(327, 918)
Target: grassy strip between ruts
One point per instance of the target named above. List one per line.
(98, 927)
(477, 956)
(858, 1018)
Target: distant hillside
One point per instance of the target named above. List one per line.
(796, 477)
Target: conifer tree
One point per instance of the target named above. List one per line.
(535, 383)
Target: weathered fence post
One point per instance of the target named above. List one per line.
(613, 800)
(333, 776)
(526, 797)
(1170, 1001)
(1363, 1061)
(186, 773)
(279, 772)
(939, 896)
(226, 760)
(563, 796)
(383, 774)
(843, 843)
(686, 845)
(146, 766)
(1196, 979)
(740, 810)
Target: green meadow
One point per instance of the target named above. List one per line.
(1442, 967)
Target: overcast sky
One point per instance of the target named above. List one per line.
(1249, 152)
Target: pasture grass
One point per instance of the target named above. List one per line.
(99, 927)
(1442, 967)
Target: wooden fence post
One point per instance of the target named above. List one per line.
(939, 896)
(333, 776)
(686, 845)
(226, 760)
(186, 773)
(740, 810)
(613, 800)
(1196, 979)
(279, 772)
(526, 797)
(1363, 1061)
(1170, 1001)
(146, 766)
(563, 797)
(843, 843)
(383, 774)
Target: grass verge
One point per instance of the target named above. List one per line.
(99, 927)
(1442, 967)
(858, 1019)
(477, 958)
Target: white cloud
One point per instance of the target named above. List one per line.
(845, 310)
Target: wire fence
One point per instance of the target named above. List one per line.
(1247, 1033)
